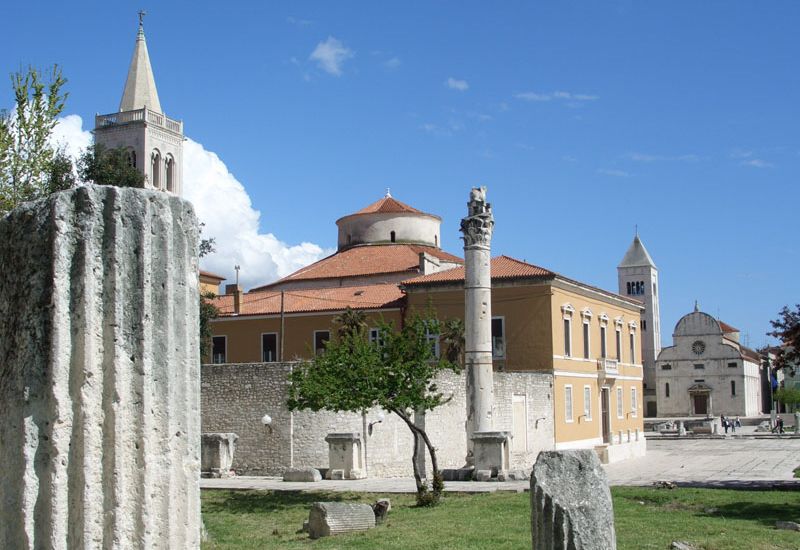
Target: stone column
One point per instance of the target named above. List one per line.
(99, 376)
(477, 229)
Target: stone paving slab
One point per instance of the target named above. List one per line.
(732, 463)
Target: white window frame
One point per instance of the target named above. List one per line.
(587, 403)
(375, 336)
(634, 403)
(618, 337)
(586, 316)
(435, 338)
(314, 341)
(620, 402)
(568, 400)
(277, 347)
(224, 355)
(502, 355)
(632, 338)
(567, 310)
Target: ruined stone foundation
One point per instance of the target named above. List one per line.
(99, 372)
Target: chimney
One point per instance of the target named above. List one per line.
(428, 263)
(236, 290)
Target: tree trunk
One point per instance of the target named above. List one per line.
(417, 476)
(418, 433)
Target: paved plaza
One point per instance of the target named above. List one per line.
(730, 462)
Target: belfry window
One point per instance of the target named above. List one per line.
(155, 163)
(132, 158)
(392, 236)
(169, 169)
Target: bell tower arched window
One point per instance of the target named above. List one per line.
(132, 158)
(155, 163)
(392, 236)
(169, 172)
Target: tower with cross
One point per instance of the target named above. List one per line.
(154, 141)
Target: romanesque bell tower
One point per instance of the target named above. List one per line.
(154, 141)
(638, 278)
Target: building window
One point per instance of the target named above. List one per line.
(567, 337)
(433, 340)
(603, 350)
(321, 337)
(632, 337)
(375, 337)
(628, 287)
(219, 345)
(666, 367)
(699, 366)
(644, 324)
(498, 338)
(732, 365)
(733, 388)
(619, 344)
(132, 158)
(587, 402)
(269, 347)
(666, 389)
(392, 236)
(169, 172)
(586, 343)
(155, 166)
(568, 403)
(620, 404)
(634, 403)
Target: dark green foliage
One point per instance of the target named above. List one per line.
(789, 397)
(104, 166)
(208, 311)
(397, 373)
(453, 340)
(30, 166)
(351, 321)
(787, 330)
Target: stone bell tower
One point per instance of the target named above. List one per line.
(153, 140)
(638, 278)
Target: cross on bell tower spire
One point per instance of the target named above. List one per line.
(142, 13)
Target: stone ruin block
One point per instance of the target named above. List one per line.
(216, 454)
(100, 372)
(345, 454)
(571, 505)
(491, 452)
(310, 475)
(332, 518)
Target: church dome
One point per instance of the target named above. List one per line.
(388, 221)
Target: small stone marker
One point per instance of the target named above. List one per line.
(788, 525)
(680, 545)
(302, 474)
(216, 454)
(571, 504)
(332, 518)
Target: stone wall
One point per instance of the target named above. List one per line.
(235, 397)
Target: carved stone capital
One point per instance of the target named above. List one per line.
(477, 227)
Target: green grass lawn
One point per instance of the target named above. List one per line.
(645, 518)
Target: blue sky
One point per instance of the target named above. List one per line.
(581, 118)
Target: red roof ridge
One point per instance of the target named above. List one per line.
(389, 204)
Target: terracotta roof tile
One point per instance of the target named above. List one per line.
(726, 328)
(503, 267)
(366, 260)
(389, 204)
(321, 299)
(209, 275)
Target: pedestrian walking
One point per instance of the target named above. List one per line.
(724, 422)
(738, 422)
(779, 424)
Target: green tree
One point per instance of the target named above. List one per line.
(104, 166)
(208, 310)
(30, 166)
(453, 340)
(397, 373)
(351, 321)
(789, 397)
(787, 330)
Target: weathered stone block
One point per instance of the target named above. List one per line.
(336, 474)
(99, 378)
(491, 451)
(216, 454)
(570, 502)
(302, 474)
(483, 475)
(331, 518)
(345, 453)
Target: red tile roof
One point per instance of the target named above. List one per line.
(381, 296)
(209, 275)
(726, 328)
(503, 267)
(364, 260)
(389, 204)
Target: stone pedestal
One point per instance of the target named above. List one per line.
(216, 453)
(100, 372)
(345, 456)
(491, 453)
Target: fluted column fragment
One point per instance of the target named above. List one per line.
(99, 372)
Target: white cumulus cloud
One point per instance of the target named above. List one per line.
(222, 203)
(331, 55)
(460, 85)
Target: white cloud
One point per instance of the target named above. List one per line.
(644, 157)
(757, 163)
(454, 84)
(557, 95)
(392, 63)
(613, 173)
(222, 203)
(331, 55)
